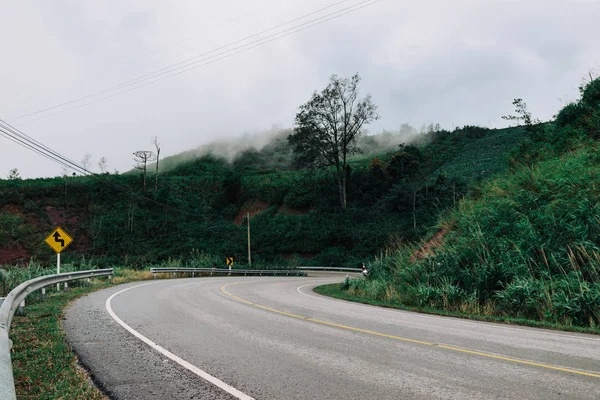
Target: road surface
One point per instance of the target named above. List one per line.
(274, 338)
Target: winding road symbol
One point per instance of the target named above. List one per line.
(58, 240)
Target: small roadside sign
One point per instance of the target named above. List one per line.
(229, 261)
(59, 240)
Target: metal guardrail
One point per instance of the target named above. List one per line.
(298, 271)
(8, 309)
(334, 269)
(226, 271)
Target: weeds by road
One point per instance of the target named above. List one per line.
(335, 290)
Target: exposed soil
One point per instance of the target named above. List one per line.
(12, 209)
(12, 255)
(429, 247)
(71, 222)
(253, 208)
(58, 218)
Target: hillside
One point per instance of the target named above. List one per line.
(198, 210)
(525, 244)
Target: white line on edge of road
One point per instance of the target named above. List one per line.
(202, 374)
(466, 321)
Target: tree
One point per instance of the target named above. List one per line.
(13, 174)
(141, 158)
(406, 164)
(65, 174)
(86, 161)
(328, 126)
(103, 165)
(157, 145)
(521, 114)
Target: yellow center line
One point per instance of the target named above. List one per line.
(403, 339)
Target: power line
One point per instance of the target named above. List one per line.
(41, 149)
(158, 72)
(33, 144)
(189, 64)
(17, 141)
(175, 44)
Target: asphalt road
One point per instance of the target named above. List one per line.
(273, 338)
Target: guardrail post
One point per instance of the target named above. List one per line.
(66, 286)
(43, 295)
(193, 273)
(21, 309)
(174, 275)
(155, 275)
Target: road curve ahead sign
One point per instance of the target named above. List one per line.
(58, 240)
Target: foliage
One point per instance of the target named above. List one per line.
(13, 174)
(329, 125)
(524, 244)
(115, 222)
(44, 366)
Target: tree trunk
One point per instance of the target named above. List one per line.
(144, 174)
(344, 190)
(415, 209)
(157, 159)
(341, 191)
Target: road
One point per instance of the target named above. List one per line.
(274, 338)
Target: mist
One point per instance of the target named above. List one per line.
(274, 141)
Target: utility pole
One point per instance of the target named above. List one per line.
(249, 256)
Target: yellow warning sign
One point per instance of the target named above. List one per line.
(58, 240)
(229, 261)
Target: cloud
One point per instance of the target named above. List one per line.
(455, 63)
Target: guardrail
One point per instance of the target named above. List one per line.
(226, 271)
(298, 271)
(334, 269)
(8, 308)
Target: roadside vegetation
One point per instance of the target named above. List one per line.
(302, 210)
(524, 244)
(488, 222)
(44, 366)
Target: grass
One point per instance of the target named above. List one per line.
(334, 290)
(43, 365)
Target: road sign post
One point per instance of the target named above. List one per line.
(229, 261)
(249, 253)
(58, 270)
(58, 240)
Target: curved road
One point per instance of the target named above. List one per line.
(273, 338)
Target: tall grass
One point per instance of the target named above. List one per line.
(526, 244)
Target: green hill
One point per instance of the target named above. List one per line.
(198, 210)
(524, 244)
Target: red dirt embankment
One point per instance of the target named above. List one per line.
(429, 247)
(254, 207)
(17, 252)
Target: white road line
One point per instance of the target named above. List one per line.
(462, 320)
(202, 374)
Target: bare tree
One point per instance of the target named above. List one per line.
(141, 158)
(13, 174)
(65, 174)
(157, 146)
(86, 161)
(103, 165)
(329, 125)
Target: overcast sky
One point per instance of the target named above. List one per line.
(453, 62)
